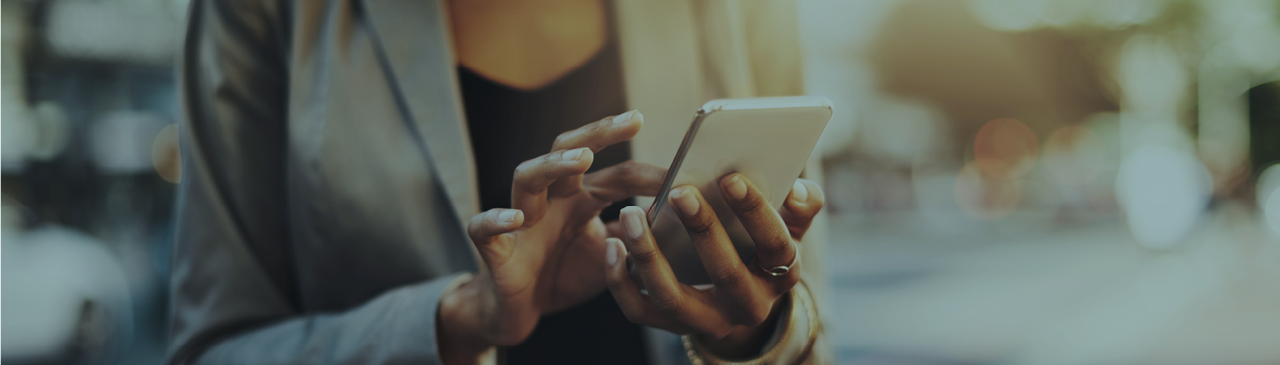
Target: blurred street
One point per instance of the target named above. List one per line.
(1080, 295)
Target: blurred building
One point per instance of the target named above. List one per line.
(1052, 181)
(89, 161)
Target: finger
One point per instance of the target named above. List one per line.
(773, 241)
(489, 230)
(602, 133)
(675, 300)
(596, 136)
(710, 241)
(529, 186)
(614, 229)
(802, 204)
(635, 306)
(737, 290)
(625, 180)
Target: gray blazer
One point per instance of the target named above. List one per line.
(327, 175)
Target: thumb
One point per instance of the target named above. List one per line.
(489, 232)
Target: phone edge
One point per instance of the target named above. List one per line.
(660, 201)
(709, 107)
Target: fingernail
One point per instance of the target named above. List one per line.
(683, 199)
(799, 193)
(624, 117)
(737, 188)
(508, 216)
(633, 221)
(615, 246)
(572, 155)
(610, 252)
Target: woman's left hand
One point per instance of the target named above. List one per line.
(737, 315)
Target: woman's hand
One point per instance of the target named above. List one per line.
(738, 314)
(546, 253)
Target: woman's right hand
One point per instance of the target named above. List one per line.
(546, 253)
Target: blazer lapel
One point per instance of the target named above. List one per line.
(414, 39)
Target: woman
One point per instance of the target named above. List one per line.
(333, 191)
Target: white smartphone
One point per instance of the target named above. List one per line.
(767, 139)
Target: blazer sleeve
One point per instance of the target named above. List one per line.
(233, 291)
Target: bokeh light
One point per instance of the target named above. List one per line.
(1074, 155)
(1268, 181)
(1268, 195)
(1005, 148)
(985, 197)
(1009, 15)
(1163, 191)
(1152, 77)
(121, 141)
(165, 155)
(1272, 212)
(1115, 14)
(1256, 39)
(899, 131)
(1023, 15)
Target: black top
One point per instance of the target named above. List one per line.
(509, 126)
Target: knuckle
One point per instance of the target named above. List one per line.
(524, 168)
(750, 204)
(623, 172)
(775, 248)
(599, 125)
(562, 139)
(668, 304)
(699, 228)
(644, 257)
(628, 168)
(752, 312)
(755, 317)
(726, 278)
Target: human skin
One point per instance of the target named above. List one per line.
(550, 251)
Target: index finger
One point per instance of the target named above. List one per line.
(625, 180)
(532, 178)
(596, 136)
(602, 133)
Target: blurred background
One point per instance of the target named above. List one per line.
(1009, 181)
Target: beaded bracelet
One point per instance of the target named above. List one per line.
(800, 296)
